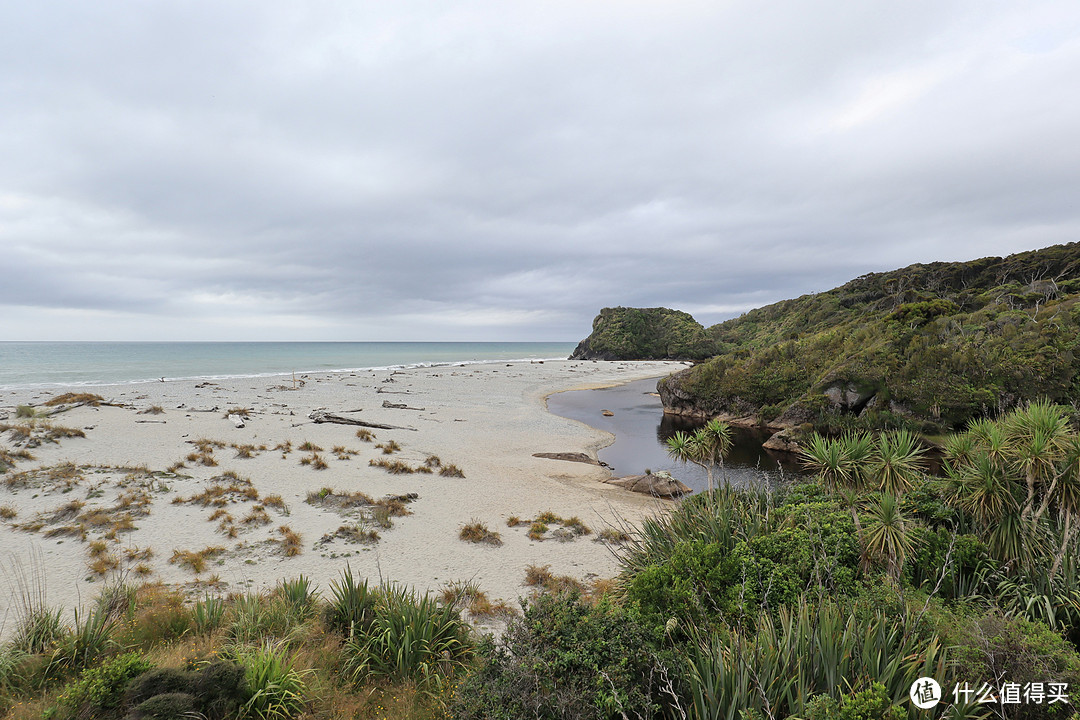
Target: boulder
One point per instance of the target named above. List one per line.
(659, 484)
(781, 442)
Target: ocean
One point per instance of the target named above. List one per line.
(51, 364)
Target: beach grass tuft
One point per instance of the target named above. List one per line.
(478, 532)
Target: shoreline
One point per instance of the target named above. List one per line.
(486, 418)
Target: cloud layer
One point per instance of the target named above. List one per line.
(492, 170)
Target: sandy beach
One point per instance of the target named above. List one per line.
(165, 487)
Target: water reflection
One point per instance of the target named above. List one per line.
(641, 429)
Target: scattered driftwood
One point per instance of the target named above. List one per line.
(398, 406)
(151, 422)
(659, 485)
(321, 416)
(65, 407)
(572, 457)
(384, 391)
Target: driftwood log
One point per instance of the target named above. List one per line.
(398, 406)
(321, 416)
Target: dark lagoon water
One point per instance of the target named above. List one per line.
(641, 429)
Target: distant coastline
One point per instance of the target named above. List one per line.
(26, 365)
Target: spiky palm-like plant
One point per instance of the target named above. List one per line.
(886, 540)
(896, 462)
(706, 448)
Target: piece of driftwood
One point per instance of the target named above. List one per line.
(64, 408)
(320, 416)
(237, 420)
(398, 406)
(570, 456)
(151, 422)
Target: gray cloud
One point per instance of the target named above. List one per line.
(354, 171)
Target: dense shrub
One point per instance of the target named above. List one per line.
(718, 559)
(994, 648)
(569, 660)
(102, 688)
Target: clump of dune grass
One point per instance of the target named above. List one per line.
(284, 448)
(466, 594)
(343, 453)
(537, 530)
(153, 410)
(451, 471)
(389, 448)
(548, 518)
(195, 560)
(575, 526)
(245, 451)
(541, 578)
(276, 502)
(612, 535)
(537, 575)
(514, 521)
(8, 512)
(25, 411)
(256, 516)
(394, 467)
(478, 532)
(8, 458)
(350, 533)
(243, 412)
(291, 542)
(365, 435)
(315, 460)
(328, 497)
(131, 554)
(308, 446)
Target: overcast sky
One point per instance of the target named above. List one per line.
(501, 170)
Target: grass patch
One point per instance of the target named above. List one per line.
(195, 560)
(478, 532)
(389, 448)
(451, 471)
(613, 536)
(291, 542)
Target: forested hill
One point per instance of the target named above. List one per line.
(931, 345)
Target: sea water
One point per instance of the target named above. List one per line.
(51, 364)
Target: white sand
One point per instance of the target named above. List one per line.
(486, 419)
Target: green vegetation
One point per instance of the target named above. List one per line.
(645, 334)
(818, 600)
(929, 347)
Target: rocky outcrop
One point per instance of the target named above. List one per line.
(660, 485)
(645, 334)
